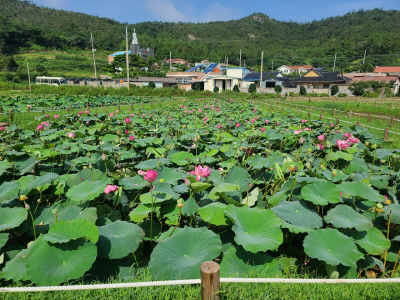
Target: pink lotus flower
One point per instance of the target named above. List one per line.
(56, 116)
(319, 146)
(127, 121)
(150, 176)
(353, 140)
(347, 135)
(45, 123)
(267, 121)
(110, 188)
(307, 129)
(86, 111)
(332, 125)
(47, 116)
(298, 131)
(278, 123)
(141, 172)
(237, 125)
(199, 172)
(301, 141)
(303, 121)
(262, 129)
(182, 106)
(341, 194)
(2, 128)
(80, 112)
(71, 135)
(219, 126)
(205, 119)
(40, 127)
(342, 144)
(111, 115)
(321, 137)
(126, 131)
(131, 138)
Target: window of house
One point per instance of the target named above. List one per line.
(316, 86)
(326, 85)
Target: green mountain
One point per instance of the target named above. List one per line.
(25, 25)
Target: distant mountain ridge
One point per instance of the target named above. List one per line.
(23, 24)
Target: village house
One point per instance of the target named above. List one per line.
(321, 81)
(294, 69)
(391, 71)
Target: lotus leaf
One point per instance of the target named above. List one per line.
(360, 189)
(180, 256)
(87, 191)
(9, 191)
(372, 241)
(343, 216)
(321, 193)
(118, 239)
(181, 158)
(64, 231)
(12, 217)
(3, 239)
(214, 213)
(256, 230)
(332, 247)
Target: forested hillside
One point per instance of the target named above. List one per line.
(24, 25)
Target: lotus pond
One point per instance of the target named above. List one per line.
(98, 195)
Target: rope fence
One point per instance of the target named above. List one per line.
(209, 281)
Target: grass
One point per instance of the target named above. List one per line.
(227, 291)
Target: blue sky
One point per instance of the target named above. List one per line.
(134, 11)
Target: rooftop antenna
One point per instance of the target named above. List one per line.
(94, 59)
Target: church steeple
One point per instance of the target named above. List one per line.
(134, 39)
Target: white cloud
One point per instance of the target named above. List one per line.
(184, 11)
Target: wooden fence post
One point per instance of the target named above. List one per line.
(322, 110)
(70, 106)
(334, 111)
(392, 122)
(119, 107)
(320, 117)
(358, 123)
(151, 104)
(132, 104)
(297, 106)
(309, 114)
(51, 107)
(375, 103)
(209, 275)
(1, 109)
(11, 115)
(369, 118)
(67, 110)
(312, 107)
(391, 107)
(337, 121)
(350, 114)
(87, 105)
(105, 108)
(386, 133)
(29, 108)
(42, 111)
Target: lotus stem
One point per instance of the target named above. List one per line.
(33, 225)
(395, 264)
(373, 162)
(151, 214)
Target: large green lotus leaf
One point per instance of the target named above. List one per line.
(12, 217)
(257, 162)
(214, 213)
(297, 214)
(339, 154)
(4, 166)
(85, 174)
(9, 191)
(200, 186)
(133, 183)
(147, 164)
(372, 241)
(52, 264)
(25, 165)
(64, 231)
(153, 228)
(190, 207)
(357, 165)
(239, 176)
(168, 175)
(321, 193)
(252, 197)
(15, 269)
(180, 256)
(360, 189)
(393, 209)
(118, 239)
(222, 188)
(3, 239)
(42, 181)
(109, 138)
(295, 229)
(158, 197)
(182, 158)
(256, 230)
(87, 191)
(140, 213)
(331, 246)
(73, 212)
(344, 216)
(239, 263)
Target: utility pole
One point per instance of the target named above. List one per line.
(226, 74)
(262, 58)
(127, 57)
(29, 77)
(365, 53)
(170, 61)
(240, 59)
(272, 65)
(334, 63)
(94, 59)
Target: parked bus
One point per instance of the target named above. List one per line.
(50, 80)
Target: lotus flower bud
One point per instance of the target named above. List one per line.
(103, 156)
(187, 182)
